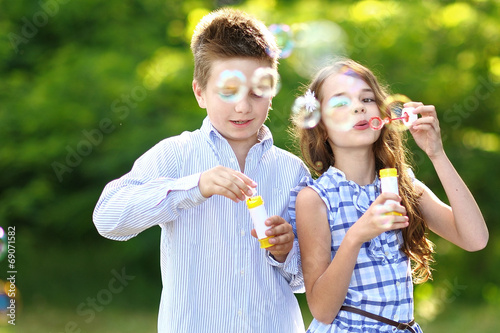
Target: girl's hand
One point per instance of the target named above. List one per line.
(227, 182)
(282, 239)
(425, 130)
(377, 219)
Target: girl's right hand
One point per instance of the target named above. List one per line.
(227, 182)
(377, 219)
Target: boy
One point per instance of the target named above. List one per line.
(215, 277)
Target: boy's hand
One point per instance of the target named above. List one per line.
(283, 237)
(227, 182)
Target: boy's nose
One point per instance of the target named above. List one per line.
(243, 105)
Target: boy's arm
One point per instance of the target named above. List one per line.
(148, 195)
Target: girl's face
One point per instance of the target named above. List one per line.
(347, 106)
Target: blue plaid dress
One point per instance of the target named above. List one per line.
(381, 282)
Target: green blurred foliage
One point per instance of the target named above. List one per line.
(88, 86)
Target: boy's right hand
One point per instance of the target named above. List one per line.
(227, 182)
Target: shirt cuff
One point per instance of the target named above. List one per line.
(290, 265)
(188, 193)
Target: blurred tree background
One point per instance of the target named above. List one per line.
(88, 86)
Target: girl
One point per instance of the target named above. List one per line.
(356, 254)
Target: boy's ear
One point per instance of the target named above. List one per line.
(198, 93)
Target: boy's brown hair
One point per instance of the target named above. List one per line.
(228, 33)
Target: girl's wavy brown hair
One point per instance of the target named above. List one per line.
(389, 151)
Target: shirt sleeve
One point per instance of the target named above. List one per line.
(291, 269)
(148, 195)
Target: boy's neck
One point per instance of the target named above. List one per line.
(241, 150)
(358, 165)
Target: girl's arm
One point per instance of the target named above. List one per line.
(327, 281)
(462, 223)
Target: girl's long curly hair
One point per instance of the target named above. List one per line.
(389, 151)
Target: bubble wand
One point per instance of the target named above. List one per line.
(408, 118)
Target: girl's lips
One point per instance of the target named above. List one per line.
(361, 125)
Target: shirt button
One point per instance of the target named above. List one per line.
(240, 312)
(398, 284)
(242, 272)
(242, 232)
(396, 318)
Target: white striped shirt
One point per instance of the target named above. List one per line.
(215, 276)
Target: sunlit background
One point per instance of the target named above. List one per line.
(88, 86)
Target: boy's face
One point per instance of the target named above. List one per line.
(238, 122)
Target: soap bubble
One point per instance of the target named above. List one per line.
(265, 82)
(338, 114)
(232, 86)
(306, 111)
(3, 244)
(315, 45)
(284, 38)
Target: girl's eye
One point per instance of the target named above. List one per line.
(368, 100)
(338, 102)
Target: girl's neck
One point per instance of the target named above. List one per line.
(358, 165)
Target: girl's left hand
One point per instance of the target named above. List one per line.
(425, 130)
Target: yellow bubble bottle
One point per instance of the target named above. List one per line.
(389, 183)
(259, 215)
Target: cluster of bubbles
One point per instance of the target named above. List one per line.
(232, 85)
(339, 115)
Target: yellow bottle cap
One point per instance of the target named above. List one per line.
(256, 201)
(388, 172)
(394, 213)
(264, 242)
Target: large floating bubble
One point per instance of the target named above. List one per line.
(232, 86)
(315, 45)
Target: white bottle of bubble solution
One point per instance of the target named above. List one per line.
(259, 215)
(389, 183)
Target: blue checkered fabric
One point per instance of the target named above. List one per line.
(381, 282)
